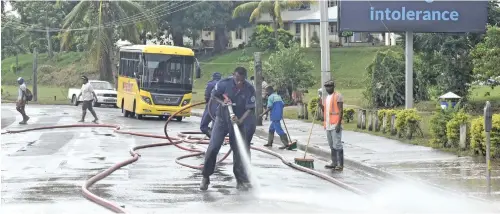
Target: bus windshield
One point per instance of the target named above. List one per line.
(168, 71)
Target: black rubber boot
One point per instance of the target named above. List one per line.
(333, 155)
(245, 186)
(270, 139)
(340, 166)
(204, 184)
(284, 140)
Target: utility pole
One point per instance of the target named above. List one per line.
(258, 87)
(487, 129)
(35, 75)
(409, 70)
(49, 43)
(325, 46)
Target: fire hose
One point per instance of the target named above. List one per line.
(183, 137)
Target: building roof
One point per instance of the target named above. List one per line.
(449, 95)
(315, 16)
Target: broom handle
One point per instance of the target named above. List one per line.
(310, 133)
(287, 133)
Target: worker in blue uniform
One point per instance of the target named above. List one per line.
(234, 90)
(210, 107)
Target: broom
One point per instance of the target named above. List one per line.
(307, 162)
(292, 144)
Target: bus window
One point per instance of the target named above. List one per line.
(175, 71)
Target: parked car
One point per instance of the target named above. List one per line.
(105, 92)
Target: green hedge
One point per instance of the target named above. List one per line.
(408, 123)
(478, 136)
(453, 128)
(312, 107)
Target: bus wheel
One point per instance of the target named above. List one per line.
(178, 118)
(125, 112)
(133, 114)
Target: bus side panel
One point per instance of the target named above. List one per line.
(127, 88)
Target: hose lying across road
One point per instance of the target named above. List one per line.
(183, 137)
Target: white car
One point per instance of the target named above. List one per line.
(105, 92)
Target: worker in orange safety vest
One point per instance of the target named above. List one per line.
(332, 107)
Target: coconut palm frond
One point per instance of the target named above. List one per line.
(77, 14)
(277, 12)
(245, 8)
(130, 8)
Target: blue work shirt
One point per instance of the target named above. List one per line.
(276, 104)
(244, 98)
(208, 90)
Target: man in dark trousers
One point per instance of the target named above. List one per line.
(239, 93)
(210, 107)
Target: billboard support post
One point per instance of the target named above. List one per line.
(409, 70)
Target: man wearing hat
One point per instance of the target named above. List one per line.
(210, 106)
(332, 107)
(88, 95)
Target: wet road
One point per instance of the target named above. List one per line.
(42, 172)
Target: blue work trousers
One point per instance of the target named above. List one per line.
(221, 127)
(276, 126)
(206, 118)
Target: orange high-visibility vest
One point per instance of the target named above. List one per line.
(334, 113)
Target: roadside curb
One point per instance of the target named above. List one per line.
(315, 150)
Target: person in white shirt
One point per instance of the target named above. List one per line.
(333, 107)
(88, 95)
(21, 100)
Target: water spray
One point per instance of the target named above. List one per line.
(241, 146)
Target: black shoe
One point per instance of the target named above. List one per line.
(204, 184)
(330, 166)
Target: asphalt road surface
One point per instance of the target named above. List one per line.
(43, 171)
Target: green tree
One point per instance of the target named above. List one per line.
(385, 80)
(486, 55)
(287, 69)
(108, 16)
(272, 7)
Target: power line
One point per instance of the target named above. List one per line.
(131, 20)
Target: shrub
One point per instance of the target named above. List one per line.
(348, 114)
(312, 107)
(453, 128)
(408, 122)
(438, 129)
(478, 137)
(263, 37)
(13, 68)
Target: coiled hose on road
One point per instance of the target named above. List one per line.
(183, 137)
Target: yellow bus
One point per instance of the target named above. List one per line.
(155, 80)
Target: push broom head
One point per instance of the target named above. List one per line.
(305, 162)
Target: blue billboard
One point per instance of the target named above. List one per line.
(416, 16)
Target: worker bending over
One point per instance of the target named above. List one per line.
(332, 107)
(210, 107)
(233, 90)
(275, 104)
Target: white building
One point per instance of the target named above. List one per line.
(304, 22)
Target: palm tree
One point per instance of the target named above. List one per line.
(100, 39)
(273, 7)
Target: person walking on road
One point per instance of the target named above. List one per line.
(332, 108)
(234, 90)
(264, 96)
(88, 94)
(210, 106)
(276, 105)
(22, 99)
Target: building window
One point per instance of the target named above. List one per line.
(303, 6)
(333, 28)
(286, 26)
(332, 3)
(297, 28)
(239, 33)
